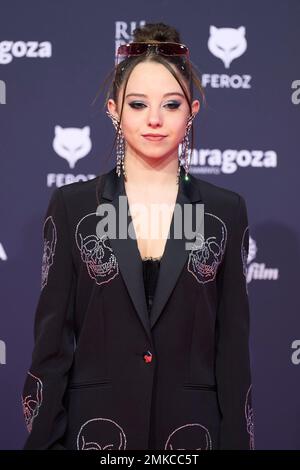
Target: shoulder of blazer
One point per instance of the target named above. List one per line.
(222, 202)
(214, 193)
(80, 187)
(80, 196)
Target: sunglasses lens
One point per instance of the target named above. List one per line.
(172, 49)
(139, 48)
(132, 49)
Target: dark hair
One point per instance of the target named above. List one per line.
(184, 72)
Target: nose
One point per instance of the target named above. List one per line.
(154, 118)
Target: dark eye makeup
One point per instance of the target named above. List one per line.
(140, 105)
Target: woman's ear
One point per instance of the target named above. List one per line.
(195, 106)
(112, 108)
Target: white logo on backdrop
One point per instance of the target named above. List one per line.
(295, 357)
(227, 43)
(252, 250)
(124, 32)
(2, 352)
(217, 161)
(258, 271)
(72, 143)
(19, 49)
(2, 92)
(295, 97)
(3, 255)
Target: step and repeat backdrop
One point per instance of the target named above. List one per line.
(54, 56)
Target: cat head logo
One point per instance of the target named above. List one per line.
(227, 43)
(72, 143)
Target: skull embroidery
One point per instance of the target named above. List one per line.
(95, 252)
(101, 434)
(190, 436)
(244, 254)
(50, 239)
(249, 418)
(206, 254)
(32, 402)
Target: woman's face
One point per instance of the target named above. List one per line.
(154, 104)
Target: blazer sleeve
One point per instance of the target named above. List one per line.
(46, 380)
(233, 371)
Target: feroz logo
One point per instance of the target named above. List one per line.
(2, 92)
(2, 352)
(71, 144)
(227, 43)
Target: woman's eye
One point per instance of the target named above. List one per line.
(173, 105)
(136, 105)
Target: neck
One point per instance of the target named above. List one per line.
(154, 172)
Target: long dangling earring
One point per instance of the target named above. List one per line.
(120, 153)
(178, 172)
(186, 147)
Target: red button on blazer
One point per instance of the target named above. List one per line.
(148, 356)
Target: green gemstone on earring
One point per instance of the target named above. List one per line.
(186, 177)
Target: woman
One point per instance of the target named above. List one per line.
(141, 341)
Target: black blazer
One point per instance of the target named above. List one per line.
(107, 375)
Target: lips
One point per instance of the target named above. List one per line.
(154, 137)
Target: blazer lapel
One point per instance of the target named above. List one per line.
(128, 255)
(125, 249)
(176, 252)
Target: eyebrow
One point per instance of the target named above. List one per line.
(166, 94)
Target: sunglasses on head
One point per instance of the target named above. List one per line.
(164, 48)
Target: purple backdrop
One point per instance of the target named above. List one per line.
(53, 57)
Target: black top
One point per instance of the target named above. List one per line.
(150, 274)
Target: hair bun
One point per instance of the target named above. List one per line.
(156, 32)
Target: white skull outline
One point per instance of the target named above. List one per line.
(32, 402)
(207, 253)
(249, 417)
(95, 432)
(50, 240)
(98, 256)
(244, 254)
(194, 433)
